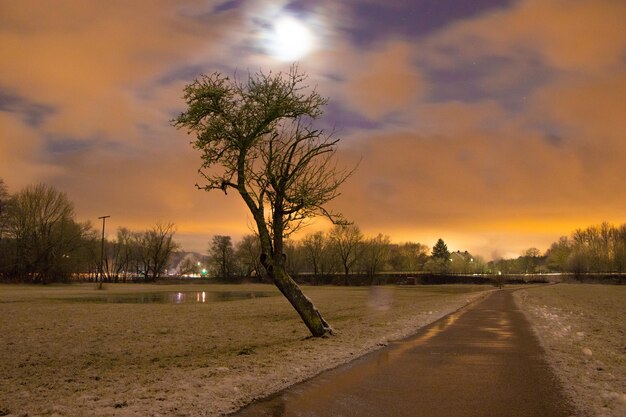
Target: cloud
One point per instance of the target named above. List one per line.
(32, 113)
(587, 109)
(87, 59)
(22, 161)
(383, 81)
(471, 170)
(138, 190)
(574, 36)
(85, 106)
(372, 22)
(498, 124)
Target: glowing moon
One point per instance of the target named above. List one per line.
(290, 39)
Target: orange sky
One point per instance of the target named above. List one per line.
(497, 126)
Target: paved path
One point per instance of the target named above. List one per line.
(481, 361)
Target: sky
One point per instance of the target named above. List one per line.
(495, 125)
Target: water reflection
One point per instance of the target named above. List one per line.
(309, 398)
(170, 297)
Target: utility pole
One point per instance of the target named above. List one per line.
(102, 248)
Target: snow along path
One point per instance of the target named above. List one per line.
(582, 329)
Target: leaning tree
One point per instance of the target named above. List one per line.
(257, 137)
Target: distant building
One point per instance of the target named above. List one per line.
(461, 256)
(461, 262)
(188, 264)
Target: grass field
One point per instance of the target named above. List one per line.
(63, 357)
(583, 329)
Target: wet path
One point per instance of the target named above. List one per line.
(482, 361)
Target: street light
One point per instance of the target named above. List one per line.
(102, 247)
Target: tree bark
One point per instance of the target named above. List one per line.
(309, 314)
(275, 267)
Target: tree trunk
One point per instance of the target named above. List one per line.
(309, 314)
(273, 262)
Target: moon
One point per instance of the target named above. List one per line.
(290, 39)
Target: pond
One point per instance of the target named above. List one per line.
(173, 297)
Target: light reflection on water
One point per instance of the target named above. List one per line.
(170, 297)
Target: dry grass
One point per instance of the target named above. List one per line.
(62, 358)
(583, 328)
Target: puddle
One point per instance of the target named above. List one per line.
(169, 297)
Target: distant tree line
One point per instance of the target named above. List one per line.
(595, 249)
(41, 242)
(338, 256)
(141, 255)
(344, 251)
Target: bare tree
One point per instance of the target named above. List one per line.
(319, 254)
(222, 256)
(530, 260)
(257, 137)
(295, 259)
(347, 241)
(4, 246)
(620, 248)
(598, 248)
(313, 246)
(4, 203)
(155, 247)
(43, 234)
(374, 255)
(123, 253)
(558, 254)
(408, 257)
(248, 255)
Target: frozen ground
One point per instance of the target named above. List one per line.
(67, 358)
(583, 329)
